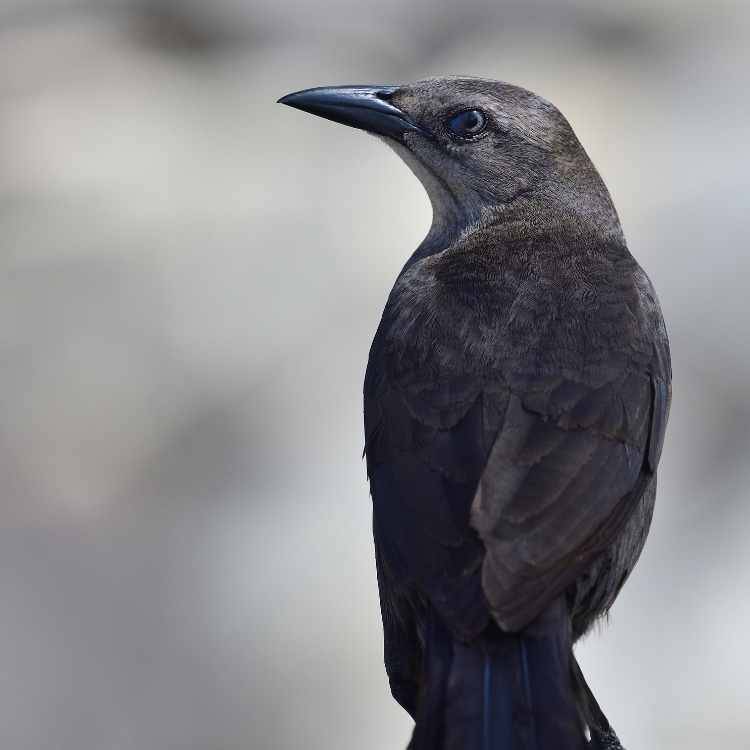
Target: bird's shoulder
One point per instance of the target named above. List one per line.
(517, 310)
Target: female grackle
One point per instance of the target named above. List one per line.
(516, 399)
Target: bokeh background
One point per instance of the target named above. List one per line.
(190, 279)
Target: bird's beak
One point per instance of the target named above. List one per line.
(364, 107)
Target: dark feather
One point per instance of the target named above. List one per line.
(499, 486)
(516, 400)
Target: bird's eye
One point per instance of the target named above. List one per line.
(467, 124)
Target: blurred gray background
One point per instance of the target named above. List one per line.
(191, 276)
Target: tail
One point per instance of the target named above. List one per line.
(503, 691)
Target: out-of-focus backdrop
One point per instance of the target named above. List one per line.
(191, 276)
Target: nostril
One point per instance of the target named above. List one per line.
(386, 93)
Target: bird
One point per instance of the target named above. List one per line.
(516, 399)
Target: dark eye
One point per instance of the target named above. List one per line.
(468, 123)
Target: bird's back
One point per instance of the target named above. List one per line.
(514, 394)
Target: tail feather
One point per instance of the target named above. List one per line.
(502, 691)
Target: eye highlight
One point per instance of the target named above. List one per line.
(467, 124)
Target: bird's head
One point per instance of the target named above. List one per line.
(481, 148)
